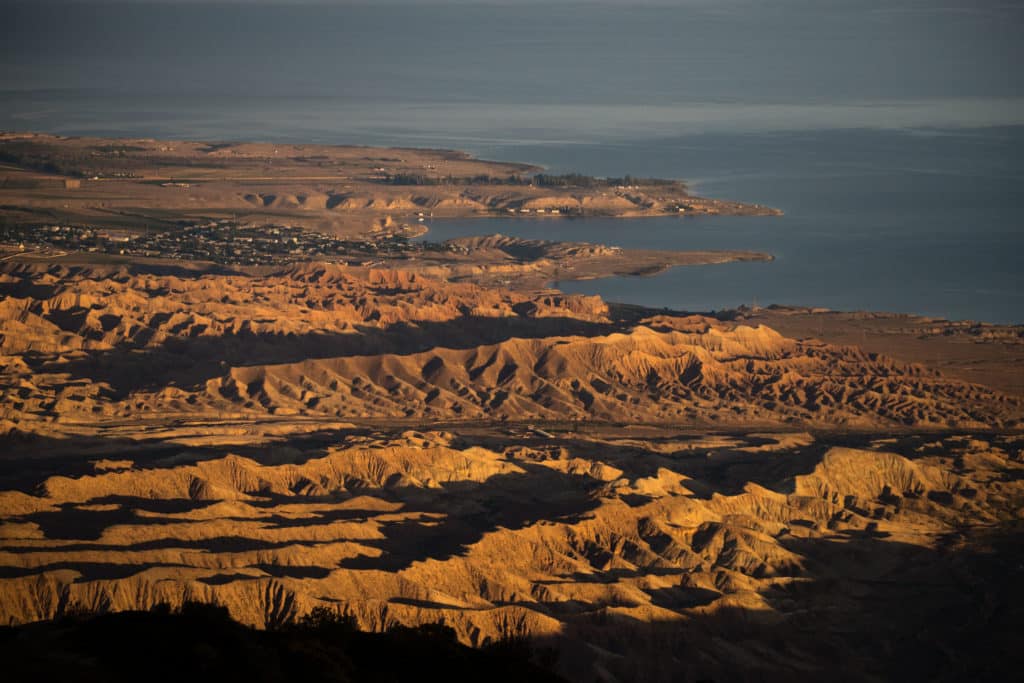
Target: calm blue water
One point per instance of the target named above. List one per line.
(883, 220)
(891, 133)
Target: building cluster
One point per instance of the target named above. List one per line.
(219, 241)
(562, 211)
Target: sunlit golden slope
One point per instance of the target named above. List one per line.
(85, 344)
(603, 547)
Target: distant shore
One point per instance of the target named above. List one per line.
(110, 200)
(138, 184)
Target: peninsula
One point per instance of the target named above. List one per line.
(246, 204)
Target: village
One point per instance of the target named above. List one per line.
(223, 242)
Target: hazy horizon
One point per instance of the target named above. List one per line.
(821, 109)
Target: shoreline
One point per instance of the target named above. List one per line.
(148, 198)
(121, 183)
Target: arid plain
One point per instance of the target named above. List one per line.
(413, 435)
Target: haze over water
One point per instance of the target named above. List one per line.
(891, 133)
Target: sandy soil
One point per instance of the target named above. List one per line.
(988, 354)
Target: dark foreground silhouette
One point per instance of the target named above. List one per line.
(202, 643)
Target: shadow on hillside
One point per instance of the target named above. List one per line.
(857, 606)
(866, 609)
(21, 283)
(709, 470)
(27, 460)
(471, 510)
(201, 643)
(188, 362)
(442, 522)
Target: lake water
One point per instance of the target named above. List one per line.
(891, 133)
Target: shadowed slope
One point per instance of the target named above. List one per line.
(201, 642)
(323, 340)
(596, 545)
(703, 373)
